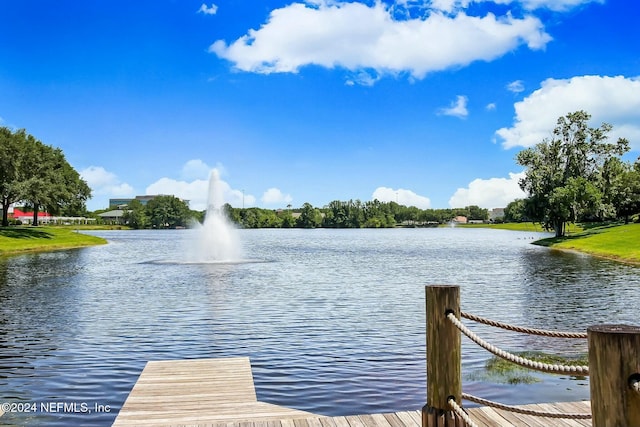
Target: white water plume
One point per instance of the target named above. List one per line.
(216, 240)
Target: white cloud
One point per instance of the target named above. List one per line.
(194, 191)
(197, 190)
(615, 100)
(274, 196)
(401, 196)
(489, 193)
(458, 108)
(555, 5)
(356, 36)
(195, 169)
(363, 78)
(103, 182)
(491, 107)
(104, 185)
(208, 10)
(515, 86)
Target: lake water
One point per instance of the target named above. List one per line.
(333, 320)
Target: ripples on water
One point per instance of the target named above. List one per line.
(333, 320)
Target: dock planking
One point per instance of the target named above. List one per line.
(177, 392)
(221, 393)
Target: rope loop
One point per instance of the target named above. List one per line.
(522, 329)
(461, 413)
(481, 401)
(527, 363)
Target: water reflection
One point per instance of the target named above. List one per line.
(333, 322)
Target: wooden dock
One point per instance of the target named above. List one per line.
(221, 393)
(199, 391)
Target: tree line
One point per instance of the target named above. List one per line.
(39, 176)
(349, 214)
(171, 212)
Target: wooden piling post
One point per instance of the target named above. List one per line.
(444, 377)
(614, 370)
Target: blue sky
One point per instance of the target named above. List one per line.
(422, 102)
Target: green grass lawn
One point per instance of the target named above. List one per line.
(518, 226)
(619, 242)
(33, 239)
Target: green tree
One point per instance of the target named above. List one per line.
(12, 151)
(136, 215)
(310, 217)
(287, 219)
(515, 211)
(563, 173)
(621, 188)
(167, 212)
(50, 183)
(39, 175)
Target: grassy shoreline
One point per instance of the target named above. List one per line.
(17, 240)
(615, 242)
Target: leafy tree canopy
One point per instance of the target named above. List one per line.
(565, 174)
(38, 175)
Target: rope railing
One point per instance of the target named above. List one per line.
(518, 360)
(524, 411)
(614, 374)
(522, 329)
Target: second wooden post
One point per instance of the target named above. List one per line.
(614, 368)
(444, 377)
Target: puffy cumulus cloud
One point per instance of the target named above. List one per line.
(105, 183)
(401, 196)
(615, 100)
(489, 193)
(195, 187)
(356, 36)
(194, 191)
(274, 196)
(197, 191)
(195, 169)
(458, 108)
(208, 10)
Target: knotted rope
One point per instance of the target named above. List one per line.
(481, 401)
(527, 363)
(461, 413)
(532, 331)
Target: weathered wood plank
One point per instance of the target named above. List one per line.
(394, 420)
(487, 416)
(409, 419)
(497, 417)
(196, 392)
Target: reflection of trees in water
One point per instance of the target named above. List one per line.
(36, 316)
(573, 291)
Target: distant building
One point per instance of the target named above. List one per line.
(27, 217)
(115, 216)
(460, 219)
(46, 218)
